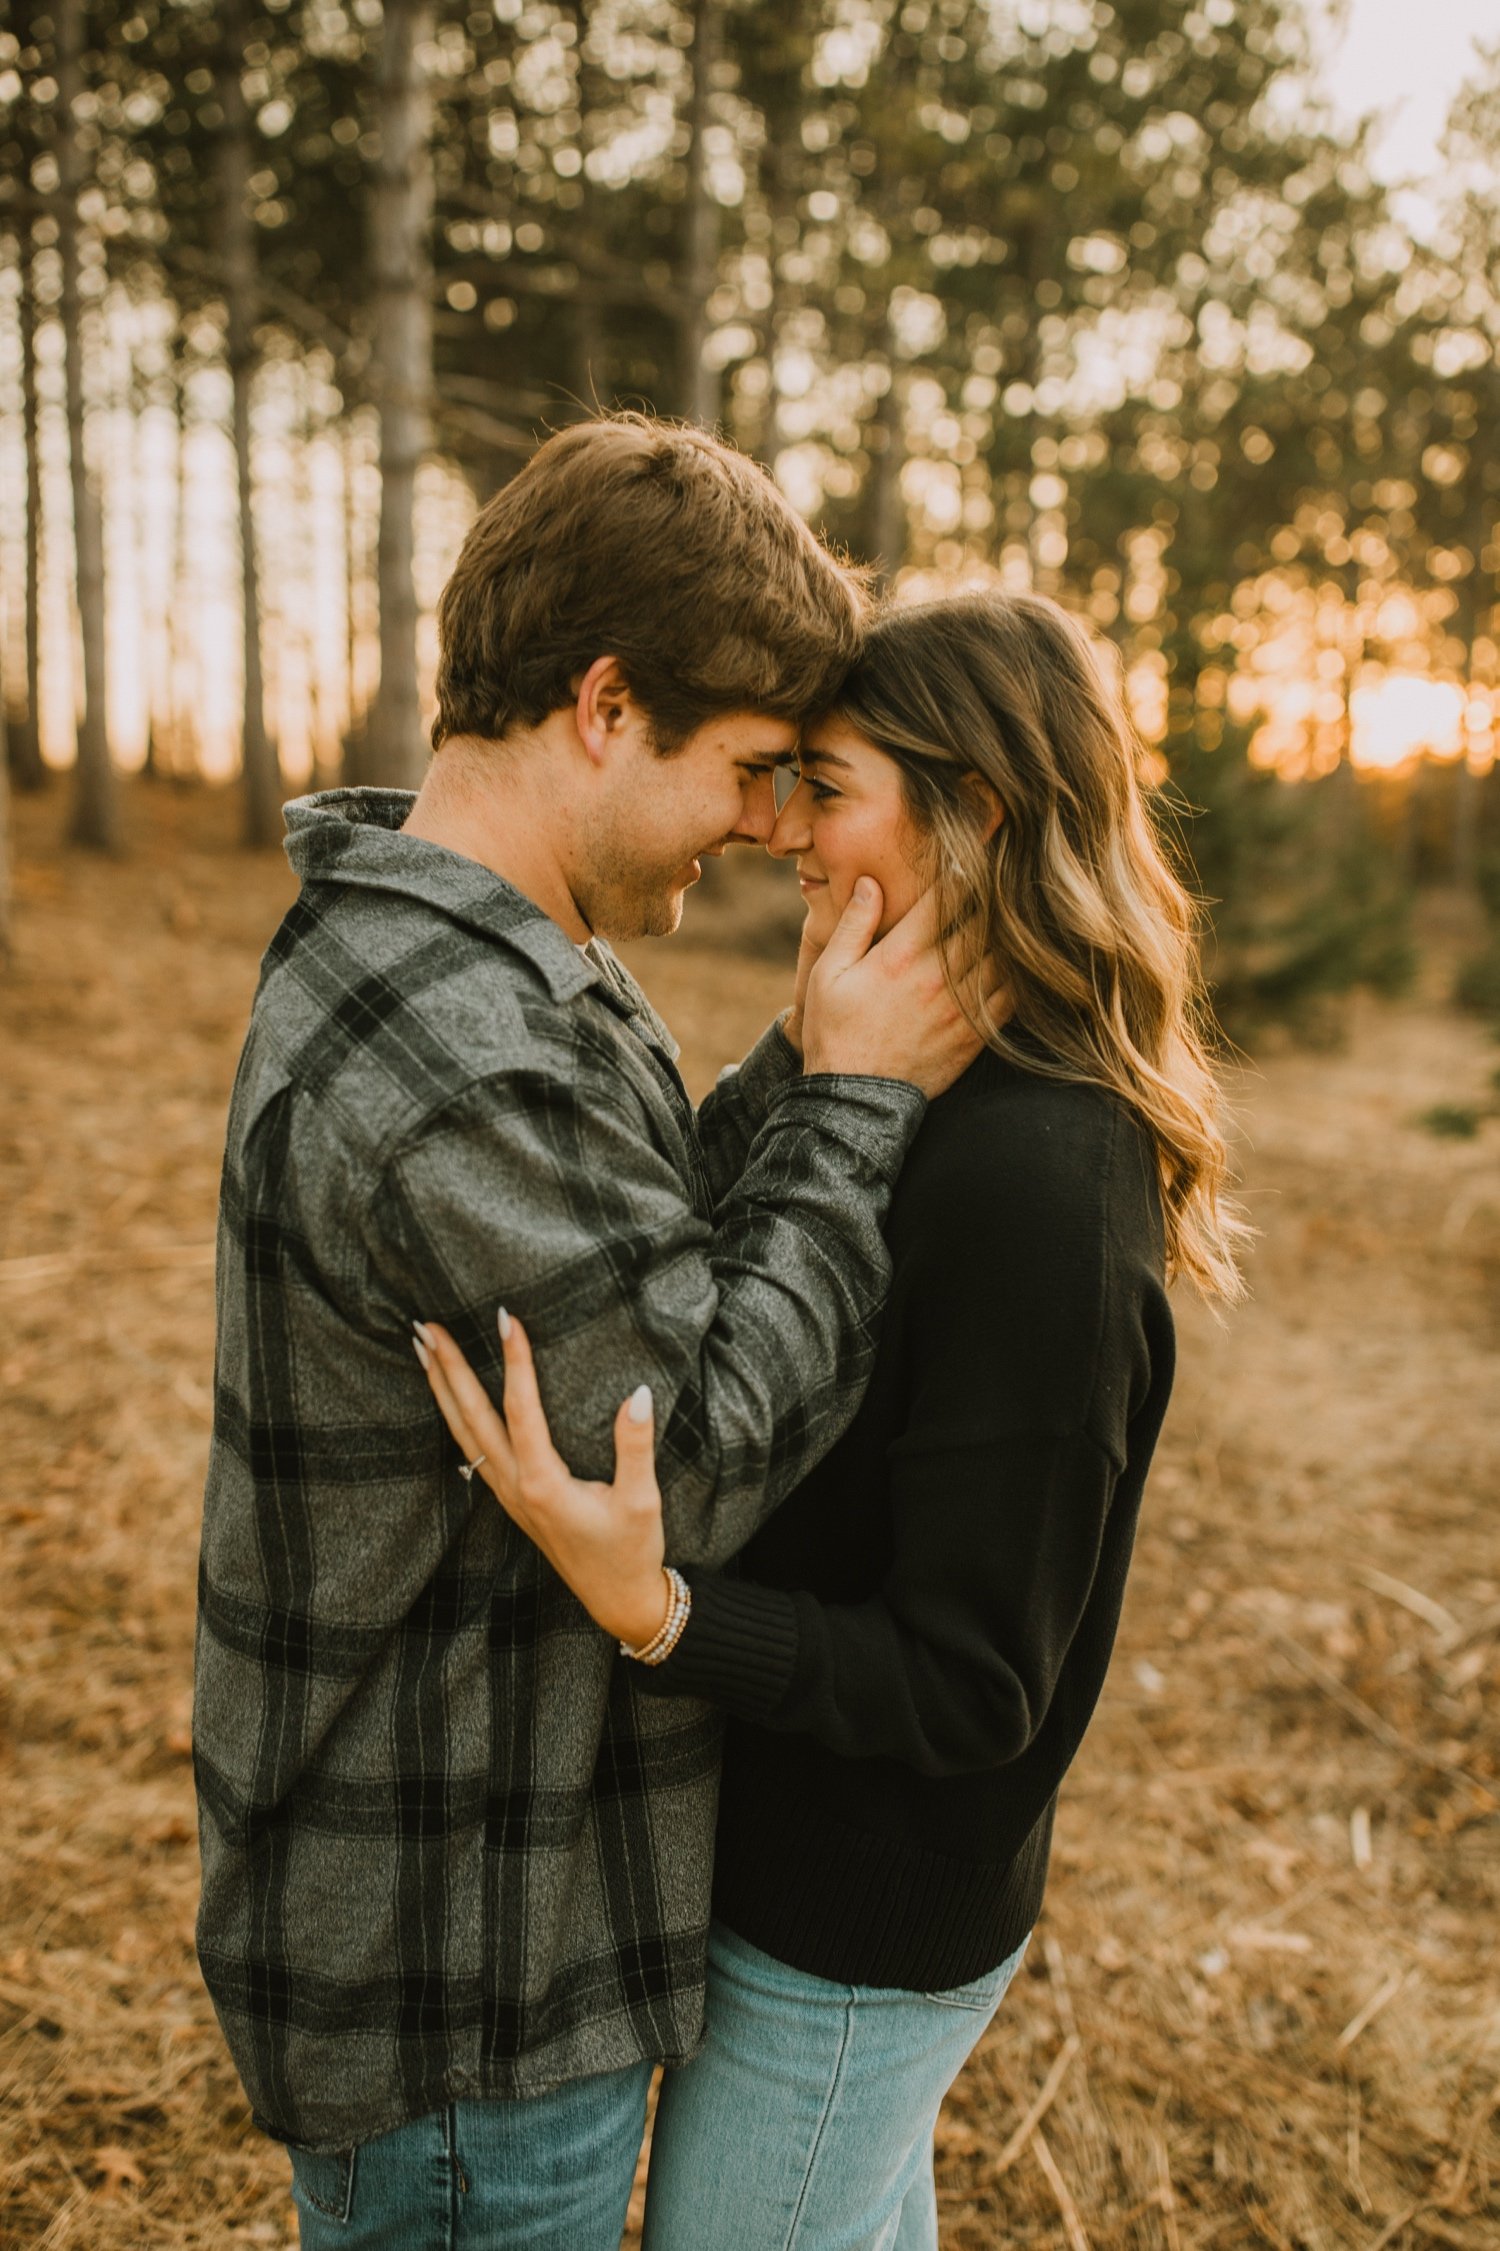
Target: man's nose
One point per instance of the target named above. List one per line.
(757, 810)
(792, 832)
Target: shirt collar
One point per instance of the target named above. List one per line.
(352, 836)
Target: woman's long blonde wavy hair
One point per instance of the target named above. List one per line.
(1095, 937)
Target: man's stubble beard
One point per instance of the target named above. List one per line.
(623, 903)
(657, 916)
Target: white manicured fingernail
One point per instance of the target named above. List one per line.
(422, 1353)
(423, 1331)
(504, 1320)
(639, 1409)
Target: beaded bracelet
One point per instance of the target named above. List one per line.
(659, 1648)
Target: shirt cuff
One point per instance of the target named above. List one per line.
(876, 1118)
(771, 1064)
(738, 1649)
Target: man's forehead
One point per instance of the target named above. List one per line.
(756, 737)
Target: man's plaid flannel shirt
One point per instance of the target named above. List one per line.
(448, 1850)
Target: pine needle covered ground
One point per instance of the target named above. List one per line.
(1264, 2004)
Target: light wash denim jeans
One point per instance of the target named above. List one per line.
(806, 2122)
(547, 2173)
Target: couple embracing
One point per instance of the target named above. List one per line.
(818, 1418)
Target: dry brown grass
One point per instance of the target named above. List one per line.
(1264, 1997)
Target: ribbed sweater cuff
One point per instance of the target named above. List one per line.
(738, 1648)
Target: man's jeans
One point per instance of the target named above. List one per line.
(550, 2173)
(805, 2123)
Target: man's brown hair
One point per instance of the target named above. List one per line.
(656, 545)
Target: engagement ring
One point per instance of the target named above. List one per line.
(468, 1469)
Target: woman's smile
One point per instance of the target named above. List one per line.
(849, 809)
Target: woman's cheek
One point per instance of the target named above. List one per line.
(822, 915)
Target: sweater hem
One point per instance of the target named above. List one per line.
(859, 1909)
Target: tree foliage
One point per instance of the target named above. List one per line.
(1089, 293)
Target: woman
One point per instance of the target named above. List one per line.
(913, 1646)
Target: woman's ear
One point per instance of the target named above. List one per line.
(984, 801)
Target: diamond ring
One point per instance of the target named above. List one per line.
(468, 1468)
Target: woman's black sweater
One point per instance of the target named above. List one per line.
(914, 1644)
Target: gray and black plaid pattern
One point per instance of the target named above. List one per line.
(447, 1850)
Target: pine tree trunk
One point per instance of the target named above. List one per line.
(260, 766)
(698, 384)
(785, 109)
(1466, 804)
(25, 760)
(96, 816)
(1478, 530)
(589, 342)
(586, 332)
(307, 514)
(402, 223)
(351, 764)
(138, 399)
(5, 847)
(182, 733)
(153, 628)
(886, 529)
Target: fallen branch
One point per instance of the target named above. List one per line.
(1057, 1971)
(1372, 2008)
(1166, 2196)
(1488, 1621)
(1365, 1715)
(1351, 2150)
(1072, 2224)
(1041, 2106)
(1410, 1598)
(1393, 2227)
(1265, 2227)
(1470, 2142)
(1430, 2222)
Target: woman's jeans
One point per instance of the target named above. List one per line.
(806, 2122)
(543, 2173)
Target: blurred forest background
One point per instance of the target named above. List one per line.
(1090, 295)
(1098, 296)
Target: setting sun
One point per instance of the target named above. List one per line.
(1403, 717)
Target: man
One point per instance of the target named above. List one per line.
(451, 1860)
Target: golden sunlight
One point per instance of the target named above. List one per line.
(1404, 717)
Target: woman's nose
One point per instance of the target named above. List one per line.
(793, 832)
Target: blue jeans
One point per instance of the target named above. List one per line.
(806, 2122)
(547, 2173)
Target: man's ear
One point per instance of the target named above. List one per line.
(603, 706)
(985, 802)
